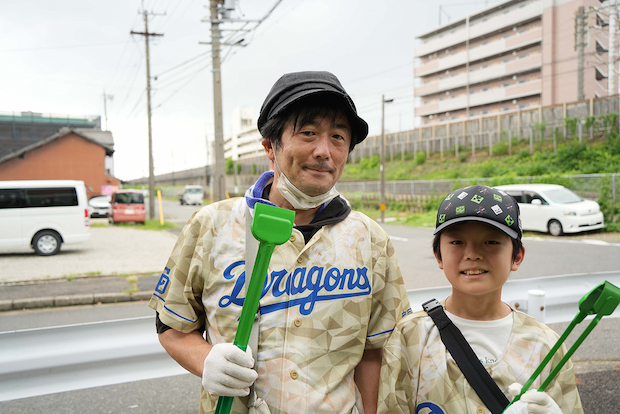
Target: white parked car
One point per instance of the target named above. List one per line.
(100, 206)
(554, 208)
(192, 194)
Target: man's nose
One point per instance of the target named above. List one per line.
(322, 149)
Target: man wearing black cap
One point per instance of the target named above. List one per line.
(333, 292)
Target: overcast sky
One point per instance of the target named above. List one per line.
(59, 56)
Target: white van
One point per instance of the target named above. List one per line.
(192, 194)
(43, 215)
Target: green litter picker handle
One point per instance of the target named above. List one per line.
(271, 226)
(602, 301)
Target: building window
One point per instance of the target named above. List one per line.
(506, 60)
(505, 108)
(521, 105)
(522, 57)
(440, 119)
(521, 80)
(506, 84)
(484, 112)
(485, 66)
(471, 92)
(484, 89)
(441, 98)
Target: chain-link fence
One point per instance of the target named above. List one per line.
(593, 186)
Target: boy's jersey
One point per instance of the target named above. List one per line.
(419, 376)
(322, 305)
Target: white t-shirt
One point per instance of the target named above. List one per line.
(488, 339)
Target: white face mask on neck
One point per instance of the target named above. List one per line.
(298, 199)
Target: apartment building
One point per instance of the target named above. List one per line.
(244, 140)
(517, 54)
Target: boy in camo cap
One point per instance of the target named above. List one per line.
(477, 244)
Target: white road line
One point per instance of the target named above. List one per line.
(403, 239)
(585, 241)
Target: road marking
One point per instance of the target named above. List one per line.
(586, 241)
(403, 239)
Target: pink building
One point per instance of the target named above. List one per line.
(518, 54)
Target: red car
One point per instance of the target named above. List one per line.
(128, 205)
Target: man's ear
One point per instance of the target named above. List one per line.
(518, 259)
(269, 150)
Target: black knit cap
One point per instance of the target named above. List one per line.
(292, 87)
(480, 203)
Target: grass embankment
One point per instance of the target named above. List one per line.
(548, 163)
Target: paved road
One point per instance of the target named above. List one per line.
(121, 251)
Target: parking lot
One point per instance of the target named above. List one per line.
(111, 250)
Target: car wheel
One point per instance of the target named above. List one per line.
(46, 243)
(555, 228)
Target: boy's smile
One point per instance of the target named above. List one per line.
(477, 260)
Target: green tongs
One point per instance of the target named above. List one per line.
(602, 301)
(271, 226)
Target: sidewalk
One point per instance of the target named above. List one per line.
(77, 291)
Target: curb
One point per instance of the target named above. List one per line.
(72, 300)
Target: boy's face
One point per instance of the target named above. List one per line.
(477, 258)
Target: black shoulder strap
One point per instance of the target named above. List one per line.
(466, 359)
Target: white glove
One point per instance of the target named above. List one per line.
(532, 402)
(228, 371)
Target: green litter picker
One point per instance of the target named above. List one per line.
(600, 301)
(271, 226)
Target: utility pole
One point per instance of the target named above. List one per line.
(219, 177)
(579, 44)
(105, 107)
(382, 206)
(612, 54)
(146, 35)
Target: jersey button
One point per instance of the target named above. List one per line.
(480, 410)
(293, 238)
(297, 322)
(294, 375)
(300, 259)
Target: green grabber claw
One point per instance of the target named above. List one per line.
(602, 301)
(271, 226)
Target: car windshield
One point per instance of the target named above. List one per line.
(193, 191)
(562, 196)
(129, 198)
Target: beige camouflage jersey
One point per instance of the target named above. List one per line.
(323, 303)
(418, 374)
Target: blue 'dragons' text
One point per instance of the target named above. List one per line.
(321, 284)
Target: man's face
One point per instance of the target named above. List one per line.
(314, 155)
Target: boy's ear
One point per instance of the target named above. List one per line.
(439, 262)
(518, 260)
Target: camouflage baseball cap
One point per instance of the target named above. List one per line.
(480, 203)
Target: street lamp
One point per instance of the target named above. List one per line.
(382, 206)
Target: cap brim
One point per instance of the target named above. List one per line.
(493, 223)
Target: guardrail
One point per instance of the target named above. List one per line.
(65, 358)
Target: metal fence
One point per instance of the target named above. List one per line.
(586, 185)
(486, 133)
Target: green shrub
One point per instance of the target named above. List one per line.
(501, 148)
(230, 164)
(420, 158)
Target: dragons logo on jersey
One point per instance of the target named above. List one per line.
(429, 408)
(306, 286)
